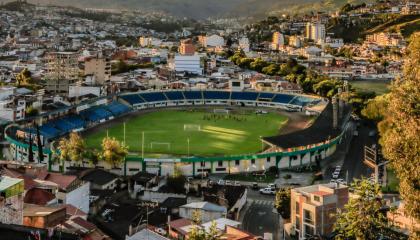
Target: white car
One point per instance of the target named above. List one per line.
(221, 182)
(338, 168)
(272, 185)
(268, 191)
(341, 181)
(335, 175)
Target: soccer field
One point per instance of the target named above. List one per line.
(166, 133)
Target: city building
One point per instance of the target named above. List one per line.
(385, 39)
(149, 42)
(187, 63)
(278, 41)
(244, 44)
(295, 41)
(211, 41)
(99, 67)
(315, 31)
(62, 71)
(11, 200)
(12, 108)
(187, 48)
(313, 209)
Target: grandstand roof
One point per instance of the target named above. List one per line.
(319, 131)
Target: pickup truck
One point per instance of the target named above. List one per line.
(268, 191)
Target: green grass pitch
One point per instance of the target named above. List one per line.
(225, 135)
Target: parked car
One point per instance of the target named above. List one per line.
(272, 185)
(227, 182)
(221, 182)
(335, 175)
(254, 186)
(236, 183)
(268, 191)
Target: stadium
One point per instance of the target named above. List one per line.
(196, 130)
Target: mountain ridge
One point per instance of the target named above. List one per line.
(201, 9)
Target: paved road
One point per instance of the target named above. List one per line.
(351, 158)
(260, 219)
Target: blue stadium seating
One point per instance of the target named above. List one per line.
(216, 95)
(153, 97)
(62, 125)
(303, 101)
(283, 98)
(266, 95)
(96, 114)
(133, 99)
(251, 96)
(175, 95)
(193, 95)
(117, 108)
(48, 131)
(76, 121)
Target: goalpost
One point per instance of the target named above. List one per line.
(219, 110)
(192, 127)
(167, 144)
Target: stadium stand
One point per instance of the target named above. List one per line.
(117, 108)
(216, 95)
(175, 95)
(265, 95)
(193, 95)
(154, 97)
(49, 131)
(133, 99)
(303, 101)
(283, 98)
(252, 96)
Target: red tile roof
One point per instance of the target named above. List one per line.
(179, 223)
(38, 196)
(74, 211)
(63, 181)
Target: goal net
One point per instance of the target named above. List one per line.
(160, 144)
(192, 127)
(222, 111)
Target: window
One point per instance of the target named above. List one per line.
(308, 216)
(297, 223)
(237, 163)
(268, 159)
(317, 198)
(220, 163)
(202, 164)
(252, 161)
(309, 231)
(297, 208)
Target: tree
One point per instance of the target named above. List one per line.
(362, 217)
(24, 78)
(400, 129)
(72, 149)
(31, 111)
(113, 152)
(282, 202)
(199, 233)
(376, 108)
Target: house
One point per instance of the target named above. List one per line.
(19, 232)
(171, 205)
(39, 196)
(11, 200)
(43, 216)
(143, 180)
(146, 234)
(176, 228)
(100, 179)
(233, 233)
(208, 211)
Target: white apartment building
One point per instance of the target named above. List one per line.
(212, 41)
(278, 41)
(185, 63)
(244, 44)
(315, 31)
